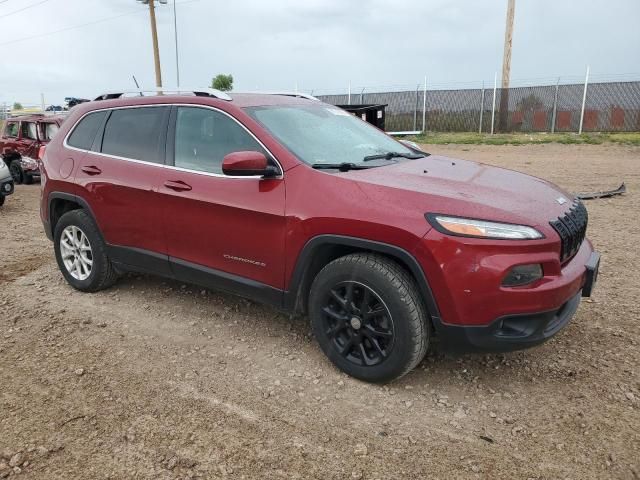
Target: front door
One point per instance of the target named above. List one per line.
(229, 230)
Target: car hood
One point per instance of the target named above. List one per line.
(463, 188)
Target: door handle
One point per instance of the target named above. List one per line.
(177, 185)
(91, 170)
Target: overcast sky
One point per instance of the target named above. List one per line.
(318, 44)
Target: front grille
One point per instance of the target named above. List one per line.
(572, 228)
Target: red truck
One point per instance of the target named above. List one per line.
(21, 140)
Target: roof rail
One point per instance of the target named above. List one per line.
(288, 94)
(198, 92)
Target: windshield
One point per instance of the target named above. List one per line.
(321, 134)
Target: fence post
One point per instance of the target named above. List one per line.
(349, 94)
(424, 106)
(584, 100)
(481, 108)
(415, 110)
(362, 96)
(493, 108)
(555, 108)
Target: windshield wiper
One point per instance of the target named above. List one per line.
(390, 155)
(343, 167)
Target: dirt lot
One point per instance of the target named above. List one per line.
(155, 379)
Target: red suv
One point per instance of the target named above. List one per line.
(296, 203)
(21, 141)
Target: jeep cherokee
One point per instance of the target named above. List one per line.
(296, 203)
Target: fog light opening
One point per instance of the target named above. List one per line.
(522, 275)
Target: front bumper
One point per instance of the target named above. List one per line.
(6, 186)
(30, 166)
(514, 332)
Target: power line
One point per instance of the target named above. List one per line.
(73, 27)
(23, 9)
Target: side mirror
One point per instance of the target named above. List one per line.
(245, 164)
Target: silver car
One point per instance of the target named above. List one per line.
(6, 182)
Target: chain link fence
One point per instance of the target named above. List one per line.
(608, 107)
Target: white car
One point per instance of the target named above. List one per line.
(6, 182)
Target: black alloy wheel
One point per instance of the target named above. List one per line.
(358, 323)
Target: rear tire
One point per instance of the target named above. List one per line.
(2, 197)
(27, 178)
(81, 253)
(368, 316)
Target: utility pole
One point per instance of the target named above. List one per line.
(175, 33)
(506, 67)
(154, 38)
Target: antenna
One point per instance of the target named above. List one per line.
(137, 85)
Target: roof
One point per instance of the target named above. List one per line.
(36, 118)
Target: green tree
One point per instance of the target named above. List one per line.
(17, 106)
(222, 82)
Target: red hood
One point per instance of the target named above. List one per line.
(469, 189)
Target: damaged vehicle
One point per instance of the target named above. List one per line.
(21, 141)
(289, 201)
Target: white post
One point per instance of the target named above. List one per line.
(424, 105)
(296, 87)
(349, 94)
(555, 108)
(481, 108)
(584, 100)
(42, 101)
(175, 36)
(493, 108)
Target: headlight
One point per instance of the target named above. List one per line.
(468, 227)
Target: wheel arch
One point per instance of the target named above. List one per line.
(321, 250)
(60, 203)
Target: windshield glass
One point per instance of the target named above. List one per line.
(321, 134)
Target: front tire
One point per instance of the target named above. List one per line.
(368, 317)
(81, 253)
(16, 171)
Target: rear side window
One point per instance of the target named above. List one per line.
(29, 130)
(12, 129)
(85, 131)
(49, 130)
(135, 133)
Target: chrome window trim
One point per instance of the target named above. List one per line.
(65, 144)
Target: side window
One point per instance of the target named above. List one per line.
(135, 133)
(204, 137)
(85, 132)
(29, 130)
(49, 130)
(12, 129)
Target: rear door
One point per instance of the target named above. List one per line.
(216, 224)
(119, 177)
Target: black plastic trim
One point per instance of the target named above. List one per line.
(228, 282)
(138, 259)
(291, 296)
(511, 332)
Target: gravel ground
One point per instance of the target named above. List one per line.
(157, 379)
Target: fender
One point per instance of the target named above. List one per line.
(292, 297)
(63, 196)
